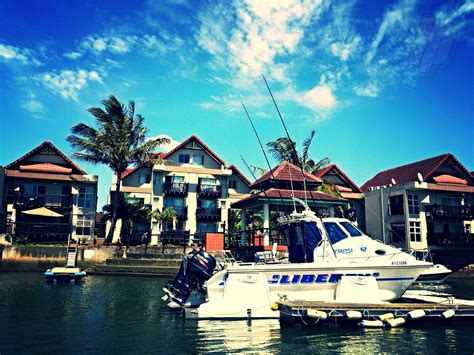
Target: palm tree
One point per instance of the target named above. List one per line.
(131, 214)
(284, 149)
(118, 142)
(168, 215)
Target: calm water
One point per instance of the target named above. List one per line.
(113, 314)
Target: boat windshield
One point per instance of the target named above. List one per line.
(335, 233)
(353, 231)
(303, 238)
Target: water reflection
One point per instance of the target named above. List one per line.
(124, 314)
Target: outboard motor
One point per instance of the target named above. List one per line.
(196, 268)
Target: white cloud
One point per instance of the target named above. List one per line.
(319, 97)
(22, 55)
(370, 90)
(166, 147)
(251, 38)
(72, 55)
(396, 17)
(69, 83)
(33, 105)
(443, 18)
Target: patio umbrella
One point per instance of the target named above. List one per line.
(42, 211)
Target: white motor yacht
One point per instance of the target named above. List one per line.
(328, 260)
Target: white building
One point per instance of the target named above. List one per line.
(423, 204)
(194, 181)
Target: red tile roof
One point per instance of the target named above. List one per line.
(45, 144)
(46, 168)
(276, 194)
(408, 173)
(197, 139)
(320, 173)
(286, 171)
(238, 172)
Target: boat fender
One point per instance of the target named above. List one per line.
(386, 316)
(371, 323)
(448, 314)
(274, 307)
(314, 313)
(353, 315)
(396, 322)
(165, 298)
(416, 314)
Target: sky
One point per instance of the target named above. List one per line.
(383, 83)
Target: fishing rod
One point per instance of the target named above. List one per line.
(263, 150)
(260, 183)
(288, 135)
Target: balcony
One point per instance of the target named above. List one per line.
(181, 212)
(174, 237)
(449, 212)
(42, 232)
(176, 189)
(209, 191)
(208, 214)
(32, 201)
(462, 240)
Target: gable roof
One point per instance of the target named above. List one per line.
(287, 171)
(321, 172)
(408, 173)
(46, 144)
(205, 147)
(238, 172)
(279, 194)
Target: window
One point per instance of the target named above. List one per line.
(198, 159)
(397, 231)
(85, 197)
(207, 203)
(232, 184)
(353, 231)
(173, 202)
(183, 158)
(143, 178)
(395, 205)
(413, 204)
(335, 233)
(206, 227)
(136, 200)
(84, 226)
(415, 232)
(208, 181)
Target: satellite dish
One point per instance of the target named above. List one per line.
(420, 177)
(393, 181)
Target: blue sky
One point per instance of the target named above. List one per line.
(383, 83)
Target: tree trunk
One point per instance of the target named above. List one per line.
(113, 221)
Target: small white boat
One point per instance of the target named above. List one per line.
(436, 274)
(329, 260)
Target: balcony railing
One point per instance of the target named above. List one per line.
(181, 211)
(209, 214)
(451, 239)
(27, 200)
(449, 212)
(209, 191)
(175, 237)
(41, 232)
(176, 188)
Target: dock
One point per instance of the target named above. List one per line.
(412, 309)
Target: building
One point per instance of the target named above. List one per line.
(49, 198)
(2, 200)
(423, 204)
(194, 181)
(354, 210)
(272, 195)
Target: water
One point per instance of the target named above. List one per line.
(113, 314)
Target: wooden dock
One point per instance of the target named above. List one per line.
(306, 312)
